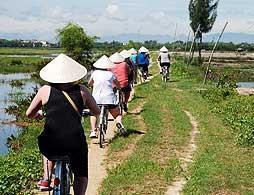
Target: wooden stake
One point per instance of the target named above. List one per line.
(211, 56)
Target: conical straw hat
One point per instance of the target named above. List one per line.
(104, 63)
(117, 58)
(164, 49)
(125, 54)
(133, 51)
(63, 69)
(143, 50)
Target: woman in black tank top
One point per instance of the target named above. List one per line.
(63, 133)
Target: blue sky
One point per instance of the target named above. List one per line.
(41, 18)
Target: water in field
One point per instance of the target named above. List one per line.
(245, 84)
(8, 94)
(33, 56)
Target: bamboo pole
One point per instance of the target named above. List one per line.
(192, 44)
(186, 46)
(174, 39)
(211, 56)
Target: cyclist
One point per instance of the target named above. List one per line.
(102, 80)
(164, 58)
(122, 71)
(63, 133)
(133, 58)
(126, 54)
(143, 61)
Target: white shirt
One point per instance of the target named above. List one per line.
(103, 87)
(164, 57)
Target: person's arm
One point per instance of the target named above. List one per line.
(36, 104)
(90, 82)
(116, 83)
(159, 58)
(89, 101)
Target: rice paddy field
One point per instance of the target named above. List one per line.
(152, 157)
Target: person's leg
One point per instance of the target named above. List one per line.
(126, 99)
(135, 74)
(146, 68)
(47, 168)
(127, 96)
(115, 112)
(44, 183)
(93, 122)
(79, 166)
(80, 185)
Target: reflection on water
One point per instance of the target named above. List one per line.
(245, 84)
(6, 99)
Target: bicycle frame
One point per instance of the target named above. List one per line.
(103, 124)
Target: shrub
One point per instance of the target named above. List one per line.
(236, 110)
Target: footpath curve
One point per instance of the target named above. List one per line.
(186, 158)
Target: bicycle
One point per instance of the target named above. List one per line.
(63, 177)
(165, 73)
(103, 124)
(142, 74)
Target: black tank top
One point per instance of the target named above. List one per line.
(63, 129)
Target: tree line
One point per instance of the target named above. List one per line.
(111, 46)
(18, 43)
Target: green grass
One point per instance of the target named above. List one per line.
(22, 167)
(20, 64)
(153, 164)
(220, 166)
(28, 51)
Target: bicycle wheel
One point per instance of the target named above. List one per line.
(62, 179)
(105, 122)
(66, 179)
(101, 135)
(121, 100)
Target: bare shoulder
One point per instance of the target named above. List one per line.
(45, 87)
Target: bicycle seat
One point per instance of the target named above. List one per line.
(59, 158)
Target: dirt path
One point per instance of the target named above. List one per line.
(97, 156)
(185, 156)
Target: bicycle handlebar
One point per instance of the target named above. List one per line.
(86, 113)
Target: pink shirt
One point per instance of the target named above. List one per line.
(121, 71)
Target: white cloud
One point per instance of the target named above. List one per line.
(113, 12)
(116, 16)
